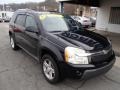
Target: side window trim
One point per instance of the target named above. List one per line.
(33, 18)
(13, 19)
(16, 19)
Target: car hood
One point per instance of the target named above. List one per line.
(86, 40)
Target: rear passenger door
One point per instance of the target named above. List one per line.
(31, 37)
(19, 28)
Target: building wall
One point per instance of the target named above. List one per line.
(103, 16)
(70, 8)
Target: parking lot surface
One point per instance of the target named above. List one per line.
(19, 71)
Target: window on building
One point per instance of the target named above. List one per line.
(114, 15)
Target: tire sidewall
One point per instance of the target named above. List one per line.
(57, 75)
(11, 38)
(15, 46)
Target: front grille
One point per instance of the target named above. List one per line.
(101, 58)
(101, 64)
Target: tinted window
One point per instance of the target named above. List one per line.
(20, 20)
(2, 14)
(13, 18)
(30, 22)
(73, 24)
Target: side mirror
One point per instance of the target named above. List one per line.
(31, 29)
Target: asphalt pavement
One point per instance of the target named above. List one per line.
(19, 71)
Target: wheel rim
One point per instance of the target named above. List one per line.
(12, 42)
(48, 69)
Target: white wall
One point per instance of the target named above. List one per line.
(103, 16)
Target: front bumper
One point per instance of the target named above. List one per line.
(6, 20)
(95, 72)
(1, 20)
(85, 71)
(86, 26)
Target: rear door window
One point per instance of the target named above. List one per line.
(20, 20)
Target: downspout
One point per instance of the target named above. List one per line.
(61, 7)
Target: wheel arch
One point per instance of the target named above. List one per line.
(52, 50)
(54, 54)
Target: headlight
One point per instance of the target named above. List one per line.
(76, 56)
(109, 41)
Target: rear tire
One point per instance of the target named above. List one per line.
(13, 43)
(50, 69)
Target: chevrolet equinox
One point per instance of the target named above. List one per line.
(62, 46)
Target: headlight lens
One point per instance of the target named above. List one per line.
(76, 56)
(109, 41)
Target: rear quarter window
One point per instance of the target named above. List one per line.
(20, 20)
(13, 18)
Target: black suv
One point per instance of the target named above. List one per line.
(62, 46)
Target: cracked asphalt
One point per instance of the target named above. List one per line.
(19, 71)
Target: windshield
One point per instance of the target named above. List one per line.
(56, 22)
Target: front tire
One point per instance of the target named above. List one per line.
(50, 69)
(13, 43)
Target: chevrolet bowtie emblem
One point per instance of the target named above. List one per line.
(105, 51)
